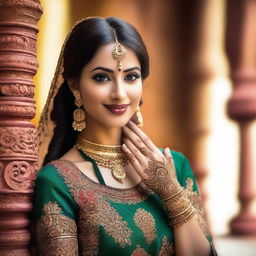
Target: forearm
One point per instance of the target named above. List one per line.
(189, 240)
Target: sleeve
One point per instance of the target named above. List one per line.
(186, 178)
(55, 215)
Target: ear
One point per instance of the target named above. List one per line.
(72, 84)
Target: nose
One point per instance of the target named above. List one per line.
(118, 91)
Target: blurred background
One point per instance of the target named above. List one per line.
(200, 97)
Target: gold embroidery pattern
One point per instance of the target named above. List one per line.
(134, 195)
(139, 252)
(91, 214)
(196, 201)
(146, 222)
(167, 249)
(88, 236)
(113, 224)
(56, 233)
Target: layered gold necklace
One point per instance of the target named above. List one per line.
(111, 157)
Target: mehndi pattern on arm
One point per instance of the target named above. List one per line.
(162, 180)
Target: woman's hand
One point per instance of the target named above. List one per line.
(157, 170)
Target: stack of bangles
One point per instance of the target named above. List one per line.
(179, 208)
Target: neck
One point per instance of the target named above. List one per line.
(102, 135)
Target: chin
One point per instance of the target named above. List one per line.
(118, 123)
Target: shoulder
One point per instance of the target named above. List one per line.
(50, 174)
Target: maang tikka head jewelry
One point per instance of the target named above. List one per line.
(79, 114)
(118, 52)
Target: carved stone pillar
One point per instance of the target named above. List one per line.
(18, 138)
(192, 90)
(241, 34)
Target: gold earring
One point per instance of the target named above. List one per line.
(79, 114)
(139, 117)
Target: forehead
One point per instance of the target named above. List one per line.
(104, 57)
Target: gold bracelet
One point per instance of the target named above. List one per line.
(177, 215)
(172, 196)
(174, 207)
(178, 221)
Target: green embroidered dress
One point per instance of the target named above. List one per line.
(78, 216)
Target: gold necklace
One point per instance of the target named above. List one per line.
(111, 157)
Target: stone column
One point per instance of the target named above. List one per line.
(241, 49)
(194, 72)
(18, 138)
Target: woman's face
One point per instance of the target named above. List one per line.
(110, 97)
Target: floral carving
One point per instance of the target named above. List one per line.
(17, 90)
(21, 11)
(18, 141)
(19, 175)
(15, 60)
(12, 110)
(17, 42)
(18, 138)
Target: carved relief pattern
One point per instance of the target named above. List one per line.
(17, 90)
(19, 175)
(17, 60)
(18, 141)
(18, 138)
(18, 111)
(16, 252)
(22, 11)
(18, 42)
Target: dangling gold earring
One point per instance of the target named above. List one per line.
(139, 117)
(79, 114)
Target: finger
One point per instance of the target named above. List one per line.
(170, 162)
(167, 153)
(137, 142)
(147, 141)
(135, 152)
(134, 162)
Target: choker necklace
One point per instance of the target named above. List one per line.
(111, 157)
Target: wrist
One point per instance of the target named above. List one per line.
(179, 208)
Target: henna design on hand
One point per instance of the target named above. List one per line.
(145, 151)
(162, 178)
(163, 181)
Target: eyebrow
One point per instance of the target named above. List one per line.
(111, 71)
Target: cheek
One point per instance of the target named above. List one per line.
(136, 94)
(91, 94)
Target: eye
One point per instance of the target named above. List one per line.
(101, 77)
(132, 77)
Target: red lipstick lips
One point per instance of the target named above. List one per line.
(116, 109)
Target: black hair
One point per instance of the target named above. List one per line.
(84, 41)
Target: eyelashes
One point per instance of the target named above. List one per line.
(103, 77)
(132, 76)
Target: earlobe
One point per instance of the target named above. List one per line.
(72, 84)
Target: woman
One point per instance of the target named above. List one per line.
(105, 188)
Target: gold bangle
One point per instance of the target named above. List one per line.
(176, 206)
(172, 196)
(177, 215)
(179, 221)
